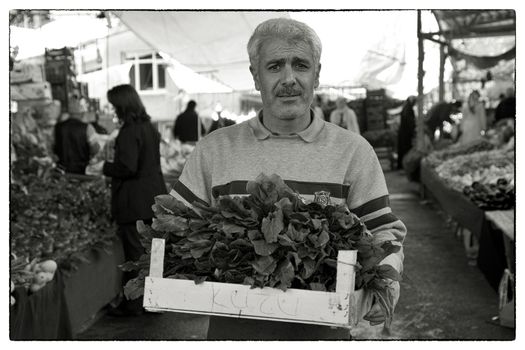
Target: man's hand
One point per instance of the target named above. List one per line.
(375, 316)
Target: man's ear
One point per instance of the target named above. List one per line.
(255, 75)
(317, 76)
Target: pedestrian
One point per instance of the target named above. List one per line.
(344, 116)
(474, 120)
(316, 107)
(75, 140)
(187, 126)
(407, 130)
(136, 177)
(507, 107)
(311, 155)
(439, 113)
(96, 125)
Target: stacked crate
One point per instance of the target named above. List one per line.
(376, 121)
(61, 74)
(375, 109)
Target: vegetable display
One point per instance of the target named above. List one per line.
(436, 158)
(494, 196)
(270, 238)
(173, 156)
(485, 167)
(52, 216)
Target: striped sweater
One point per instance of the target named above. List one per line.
(323, 157)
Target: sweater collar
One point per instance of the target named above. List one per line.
(308, 135)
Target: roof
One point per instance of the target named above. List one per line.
(456, 24)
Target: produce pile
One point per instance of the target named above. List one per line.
(52, 216)
(485, 167)
(270, 238)
(436, 158)
(173, 155)
(494, 196)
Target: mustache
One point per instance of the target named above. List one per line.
(287, 91)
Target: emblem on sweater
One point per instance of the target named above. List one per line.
(322, 197)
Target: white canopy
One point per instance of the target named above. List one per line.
(373, 49)
(210, 43)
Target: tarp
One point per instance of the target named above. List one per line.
(356, 50)
(99, 82)
(210, 43)
(190, 81)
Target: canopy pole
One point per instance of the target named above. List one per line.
(420, 74)
(442, 58)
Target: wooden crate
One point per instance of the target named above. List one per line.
(339, 308)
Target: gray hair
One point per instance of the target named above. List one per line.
(287, 29)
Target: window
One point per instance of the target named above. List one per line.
(91, 59)
(148, 72)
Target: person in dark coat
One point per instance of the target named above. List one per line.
(439, 113)
(407, 129)
(507, 107)
(74, 142)
(136, 176)
(187, 124)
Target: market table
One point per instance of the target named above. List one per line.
(93, 285)
(67, 304)
(503, 220)
(491, 257)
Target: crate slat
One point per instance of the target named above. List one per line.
(338, 308)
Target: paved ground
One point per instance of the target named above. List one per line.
(441, 296)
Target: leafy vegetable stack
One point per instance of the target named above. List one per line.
(270, 238)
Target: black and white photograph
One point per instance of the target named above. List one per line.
(203, 175)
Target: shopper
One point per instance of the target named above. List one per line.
(136, 176)
(310, 154)
(474, 120)
(75, 141)
(187, 126)
(407, 130)
(507, 107)
(439, 113)
(344, 116)
(317, 104)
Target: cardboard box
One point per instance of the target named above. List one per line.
(26, 73)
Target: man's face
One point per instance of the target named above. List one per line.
(286, 76)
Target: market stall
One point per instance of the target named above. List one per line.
(63, 254)
(474, 185)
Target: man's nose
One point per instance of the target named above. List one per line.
(288, 77)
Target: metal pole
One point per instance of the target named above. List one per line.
(441, 72)
(420, 75)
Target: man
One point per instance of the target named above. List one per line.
(316, 107)
(187, 126)
(507, 107)
(75, 141)
(344, 116)
(439, 113)
(311, 155)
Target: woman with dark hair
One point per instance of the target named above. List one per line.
(136, 176)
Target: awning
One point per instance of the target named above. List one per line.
(191, 82)
(99, 82)
(210, 43)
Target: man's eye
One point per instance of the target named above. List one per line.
(302, 66)
(273, 68)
